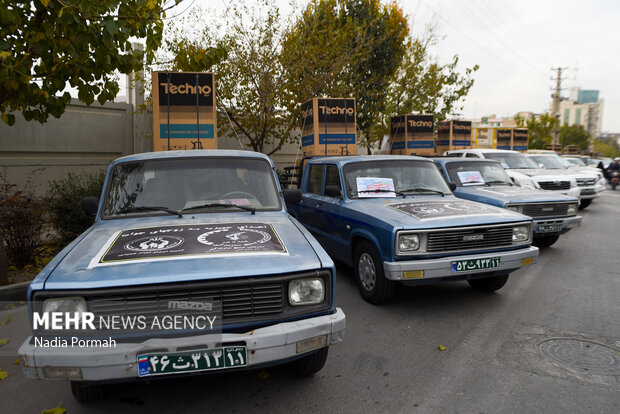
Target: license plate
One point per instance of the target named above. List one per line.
(204, 360)
(548, 228)
(475, 264)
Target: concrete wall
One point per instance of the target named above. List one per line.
(84, 139)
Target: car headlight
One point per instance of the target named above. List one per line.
(306, 292)
(572, 209)
(513, 208)
(520, 233)
(75, 304)
(408, 242)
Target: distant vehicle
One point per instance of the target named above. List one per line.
(553, 214)
(591, 181)
(417, 232)
(524, 171)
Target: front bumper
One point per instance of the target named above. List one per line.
(567, 223)
(265, 346)
(442, 268)
(591, 191)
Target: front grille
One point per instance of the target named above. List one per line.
(242, 300)
(470, 238)
(238, 302)
(582, 182)
(554, 185)
(545, 210)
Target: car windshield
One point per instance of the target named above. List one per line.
(550, 163)
(477, 173)
(576, 162)
(402, 176)
(511, 160)
(201, 184)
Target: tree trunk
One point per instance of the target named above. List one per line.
(4, 271)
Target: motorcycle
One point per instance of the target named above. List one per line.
(614, 179)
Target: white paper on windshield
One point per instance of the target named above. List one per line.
(504, 165)
(470, 177)
(375, 187)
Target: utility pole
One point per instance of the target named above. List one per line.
(555, 107)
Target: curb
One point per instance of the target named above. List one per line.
(16, 292)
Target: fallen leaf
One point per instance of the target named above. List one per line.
(7, 320)
(3, 374)
(16, 362)
(441, 348)
(264, 374)
(9, 306)
(55, 410)
(4, 342)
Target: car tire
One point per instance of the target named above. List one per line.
(489, 284)
(309, 365)
(584, 203)
(86, 391)
(369, 275)
(545, 241)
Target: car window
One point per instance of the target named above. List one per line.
(407, 176)
(315, 179)
(490, 172)
(187, 183)
(332, 177)
(470, 155)
(550, 163)
(512, 160)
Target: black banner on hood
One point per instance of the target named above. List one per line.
(191, 240)
(434, 209)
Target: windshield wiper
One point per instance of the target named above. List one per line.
(380, 190)
(136, 209)
(246, 208)
(489, 183)
(423, 190)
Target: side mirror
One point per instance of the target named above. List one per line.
(333, 191)
(452, 186)
(90, 205)
(291, 196)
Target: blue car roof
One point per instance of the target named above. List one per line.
(191, 153)
(446, 160)
(347, 159)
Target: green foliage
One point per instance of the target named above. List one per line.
(574, 135)
(348, 48)
(47, 44)
(606, 148)
(423, 85)
(540, 130)
(21, 221)
(244, 55)
(65, 196)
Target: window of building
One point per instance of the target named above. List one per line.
(566, 116)
(578, 116)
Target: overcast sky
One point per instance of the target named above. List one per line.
(516, 43)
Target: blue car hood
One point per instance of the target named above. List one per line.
(431, 212)
(500, 195)
(93, 263)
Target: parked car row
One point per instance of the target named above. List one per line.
(211, 233)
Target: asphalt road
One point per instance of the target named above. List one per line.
(548, 341)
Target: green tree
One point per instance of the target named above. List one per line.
(244, 54)
(423, 85)
(540, 129)
(606, 148)
(345, 48)
(574, 135)
(46, 45)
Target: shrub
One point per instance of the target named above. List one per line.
(65, 196)
(21, 221)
